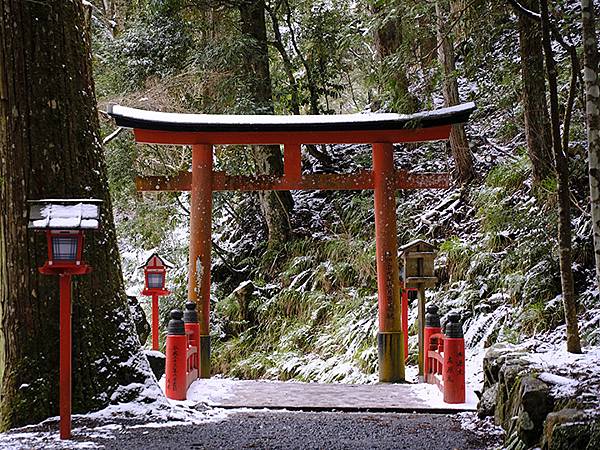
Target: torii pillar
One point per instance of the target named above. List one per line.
(200, 246)
(390, 340)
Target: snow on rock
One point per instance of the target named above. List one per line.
(569, 375)
(151, 409)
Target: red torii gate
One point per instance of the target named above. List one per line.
(202, 131)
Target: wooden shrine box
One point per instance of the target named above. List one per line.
(417, 264)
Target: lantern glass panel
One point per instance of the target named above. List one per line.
(64, 248)
(156, 280)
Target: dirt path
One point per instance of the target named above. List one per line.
(307, 430)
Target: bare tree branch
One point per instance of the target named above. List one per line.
(112, 135)
(527, 12)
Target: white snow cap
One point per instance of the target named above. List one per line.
(72, 214)
(232, 120)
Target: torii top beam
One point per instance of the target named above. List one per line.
(188, 129)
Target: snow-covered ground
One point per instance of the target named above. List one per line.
(155, 410)
(158, 412)
(218, 392)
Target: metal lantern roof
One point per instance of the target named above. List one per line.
(416, 243)
(159, 261)
(64, 214)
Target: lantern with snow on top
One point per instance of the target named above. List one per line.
(155, 270)
(64, 221)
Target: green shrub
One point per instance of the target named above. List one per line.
(458, 257)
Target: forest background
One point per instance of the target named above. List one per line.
(295, 288)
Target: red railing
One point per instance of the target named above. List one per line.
(445, 358)
(183, 342)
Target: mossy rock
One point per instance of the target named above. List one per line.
(522, 404)
(534, 404)
(496, 358)
(487, 404)
(571, 429)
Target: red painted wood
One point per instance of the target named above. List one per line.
(453, 372)
(388, 287)
(180, 182)
(176, 367)
(355, 181)
(300, 137)
(384, 180)
(192, 331)
(154, 321)
(65, 356)
(292, 162)
(431, 345)
(200, 232)
(192, 371)
(362, 180)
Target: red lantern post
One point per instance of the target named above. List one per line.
(64, 222)
(155, 270)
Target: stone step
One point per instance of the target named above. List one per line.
(381, 397)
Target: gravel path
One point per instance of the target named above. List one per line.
(306, 430)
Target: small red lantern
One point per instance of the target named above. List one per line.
(155, 270)
(64, 222)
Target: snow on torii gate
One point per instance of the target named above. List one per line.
(381, 130)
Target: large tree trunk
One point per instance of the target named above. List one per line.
(592, 98)
(49, 147)
(537, 127)
(388, 41)
(458, 138)
(275, 205)
(564, 205)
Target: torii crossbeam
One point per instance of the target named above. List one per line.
(202, 131)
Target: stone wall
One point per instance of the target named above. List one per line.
(524, 405)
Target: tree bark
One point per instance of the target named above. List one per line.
(537, 127)
(276, 206)
(592, 100)
(562, 174)
(49, 147)
(116, 12)
(458, 138)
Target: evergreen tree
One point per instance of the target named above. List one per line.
(275, 205)
(592, 90)
(537, 128)
(388, 40)
(561, 162)
(458, 138)
(49, 147)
